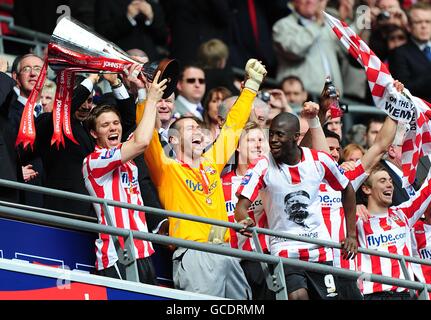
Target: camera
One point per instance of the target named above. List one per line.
(383, 15)
(265, 96)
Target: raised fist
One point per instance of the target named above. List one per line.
(255, 71)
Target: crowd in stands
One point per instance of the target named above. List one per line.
(230, 148)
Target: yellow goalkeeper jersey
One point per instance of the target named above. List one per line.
(197, 191)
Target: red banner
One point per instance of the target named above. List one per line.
(67, 129)
(68, 62)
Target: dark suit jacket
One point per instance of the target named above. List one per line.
(111, 22)
(10, 168)
(410, 65)
(63, 166)
(193, 22)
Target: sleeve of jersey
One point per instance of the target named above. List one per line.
(253, 181)
(418, 204)
(102, 162)
(155, 159)
(356, 176)
(227, 142)
(333, 174)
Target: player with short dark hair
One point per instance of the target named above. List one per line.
(292, 172)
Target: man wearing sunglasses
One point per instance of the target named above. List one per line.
(191, 89)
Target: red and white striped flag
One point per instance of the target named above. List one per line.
(403, 107)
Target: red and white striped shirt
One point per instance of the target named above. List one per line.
(333, 212)
(106, 177)
(390, 233)
(231, 182)
(291, 202)
(421, 248)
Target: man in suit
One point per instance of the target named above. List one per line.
(132, 24)
(392, 163)
(10, 168)
(26, 70)
(191, 89)
(411, 63)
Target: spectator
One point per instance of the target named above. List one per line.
(10, 168)
(47, 95)
(28, 68)
(396, 37)
(289, 180)
(293, 88)
(211, 111)
(212, 56)
(202, 195)
(373, 127)
(353, 152)
(306, 47)
(191, 90)
(411, 63)
(132, 24)
(250, 31)
(260, 112)
(110, 160)
(392, 164)
(356, 134)
(278, 103)
(387, 220)
(193, 22)
(27, 71)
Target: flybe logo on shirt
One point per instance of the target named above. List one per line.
(197, 186)
(425, 253)
(328, 201)
(386, 238)
(230, 206)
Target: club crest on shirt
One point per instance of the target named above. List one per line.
(246, 179)
(108, 154)
(210, 170)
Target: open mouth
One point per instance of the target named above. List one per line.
(197, 142)
(275, 148)
(387, 193)
(113, 137)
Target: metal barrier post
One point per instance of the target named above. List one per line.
(423, 293)
(406, 275)
(271, 279)
(279, 283)
(128, 258)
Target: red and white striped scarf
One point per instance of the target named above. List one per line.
(403, 107)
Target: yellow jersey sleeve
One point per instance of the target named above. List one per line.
(227, 142)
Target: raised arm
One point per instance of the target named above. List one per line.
(144, 131)
(227, 141)
(317, 138)
(384, 139)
